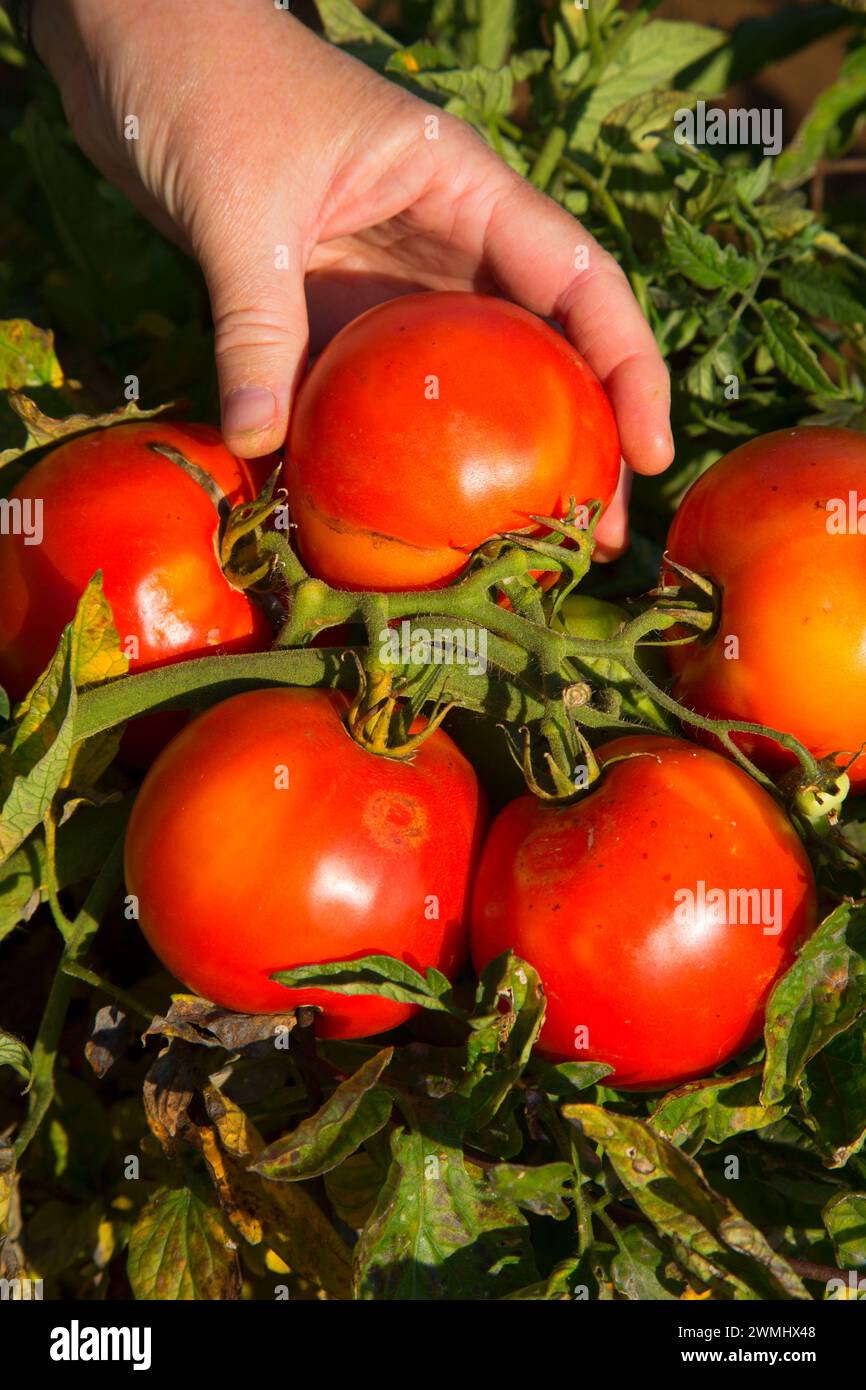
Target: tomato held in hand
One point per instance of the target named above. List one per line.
(658, 911)
(431, 423)
(779, 525)
(263, 837)
(110, 503)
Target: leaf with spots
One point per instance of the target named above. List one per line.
(180, 1250)
(355, 1111)
(710, 1238)
(822, 994)
(438, 1231)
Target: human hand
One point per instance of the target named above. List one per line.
(308, 188)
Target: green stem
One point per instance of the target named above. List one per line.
(42, 1088)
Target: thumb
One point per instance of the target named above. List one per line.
(261, 334)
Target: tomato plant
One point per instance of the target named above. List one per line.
(779, 527)
(111, 502)
(611, 899)
(432, 423)
(263, 838)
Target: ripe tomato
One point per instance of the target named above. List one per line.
(263, 837)
(791, 568)
(615, 901)
(110, 503)
(431, 423)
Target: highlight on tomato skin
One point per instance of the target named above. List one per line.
(264, 837)
(771, 525)
(110, 502)
(433, 422)
(617, 901)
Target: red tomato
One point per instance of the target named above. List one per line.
(263, 837)
(109, 502)
(791, 568)
(623, 904)
(431, 423)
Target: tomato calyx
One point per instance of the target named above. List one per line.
(382, 716)
(244, 560)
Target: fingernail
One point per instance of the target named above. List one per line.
(248, 410)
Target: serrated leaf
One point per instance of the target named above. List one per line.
(715, 1110)
(438, 1232)
(699, 257)
(790, 350)
(845, 1219)
(356, 1110)
(710, 1237)
(487, 91)
(27, 356)
(819, 997)
(179, 1249)
(649, 60)
(822, 294)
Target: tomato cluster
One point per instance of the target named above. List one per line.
(662, 904)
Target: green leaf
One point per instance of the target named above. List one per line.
(636, 123)
(27, 356)
(710, 1237)
(357, 1109)
(179, 1249)
(353, 1188)
(83, 844)
(88, 652)
(790, 350)
(384, 976)
(639, 1267)
(543, 1190)
(438, 1232)
(822, 294)
(568, 1079)
(650, 59)
(833, 1094)
(495, 31)
(845, 1220)
(715, 1110)
(699, 257)
(485, 91)
(819, 997)
(344, 23)
(15, 1054)
(831, 123)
